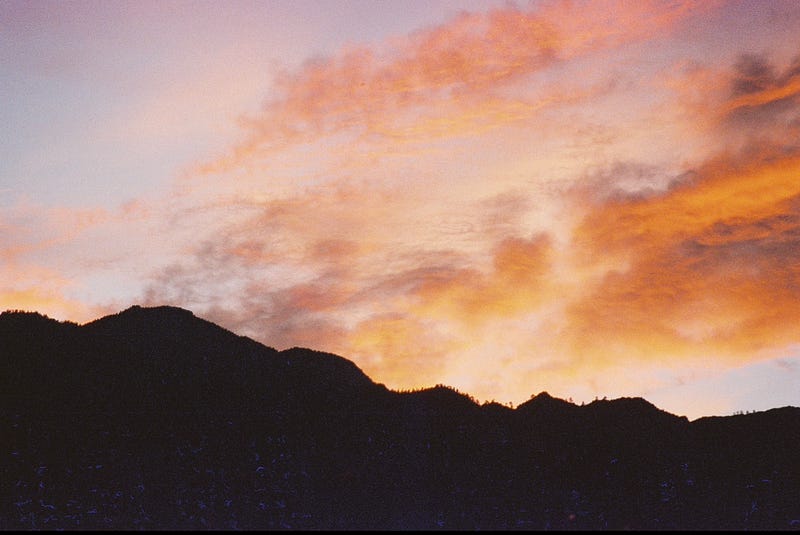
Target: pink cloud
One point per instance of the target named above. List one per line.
(455, 78)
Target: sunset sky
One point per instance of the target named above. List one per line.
(588, 198)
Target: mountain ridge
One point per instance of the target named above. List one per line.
(150, 321)
(153, 418)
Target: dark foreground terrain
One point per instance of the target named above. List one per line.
(155, 419)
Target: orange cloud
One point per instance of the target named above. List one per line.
(710, 267)
(457, 78)
(768, 95)
(518, 282)
(751, 106)
(399, 350)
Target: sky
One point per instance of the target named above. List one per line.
(586, 198)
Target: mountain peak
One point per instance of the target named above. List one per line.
(545, 403)
(631, 404)
(138, 313)
(160, 310)
(544, 398)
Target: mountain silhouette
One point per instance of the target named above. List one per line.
(153, 418)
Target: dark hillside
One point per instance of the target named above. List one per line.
(156, 419)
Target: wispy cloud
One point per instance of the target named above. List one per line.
(457, 78)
